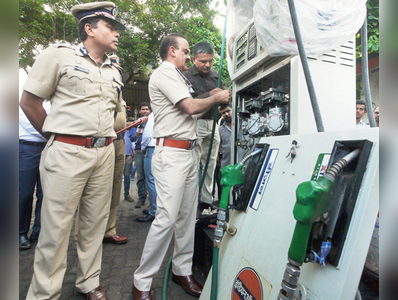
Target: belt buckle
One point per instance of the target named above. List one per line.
(98, 142)
(192, 144)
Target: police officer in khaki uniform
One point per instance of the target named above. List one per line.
(120, 156)
(174, 167)
(76, 167)
(110, 232)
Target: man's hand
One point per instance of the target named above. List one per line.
(215, 91)
(144, 119)
(223, 97)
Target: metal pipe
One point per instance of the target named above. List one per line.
(306, 68)
(365, 73)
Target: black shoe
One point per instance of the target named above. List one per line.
(128, 198)
(24, 243)
(33, 238)
(145, 211)
(139, 203)
(203, 206)
(146, 218)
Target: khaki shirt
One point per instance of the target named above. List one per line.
(120, 120)
(83, 95)
(166, 88)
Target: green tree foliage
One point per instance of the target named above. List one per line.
(373, 28)
(42, 22)
(147, 21)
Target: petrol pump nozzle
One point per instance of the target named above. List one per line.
(230, 176)
(314, 198)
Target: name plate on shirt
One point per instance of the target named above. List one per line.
(81, 69)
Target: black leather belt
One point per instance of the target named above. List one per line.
(41, 144)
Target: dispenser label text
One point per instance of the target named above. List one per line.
(321, 166)
(263, 178)
(247, 285)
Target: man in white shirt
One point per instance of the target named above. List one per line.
(360, 111)
(31, 144)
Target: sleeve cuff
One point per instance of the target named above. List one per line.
(37, 88)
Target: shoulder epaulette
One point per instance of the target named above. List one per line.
(62, 46)
(117, 66)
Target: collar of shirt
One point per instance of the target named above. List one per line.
(168, 64)
(195, 71)
(226, 126)
(362, 124)
(82, 51)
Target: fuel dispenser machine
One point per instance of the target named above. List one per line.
(304, 216)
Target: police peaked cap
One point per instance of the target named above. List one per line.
(104, 9)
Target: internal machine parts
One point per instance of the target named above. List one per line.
(266, 114)
(263, 109)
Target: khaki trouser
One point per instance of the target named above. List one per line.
(120, 150)
(202, 149)
(176, 181)
(72, 176)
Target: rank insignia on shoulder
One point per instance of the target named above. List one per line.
(83, 50)
(78, 68)
(117, 81)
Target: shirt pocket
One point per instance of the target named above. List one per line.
(115, 91)
(79, 82)
(111, 91)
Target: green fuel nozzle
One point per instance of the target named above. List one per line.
(233, 175)
(314, 198)
(230, 176)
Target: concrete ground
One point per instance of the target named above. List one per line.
(118, 264)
